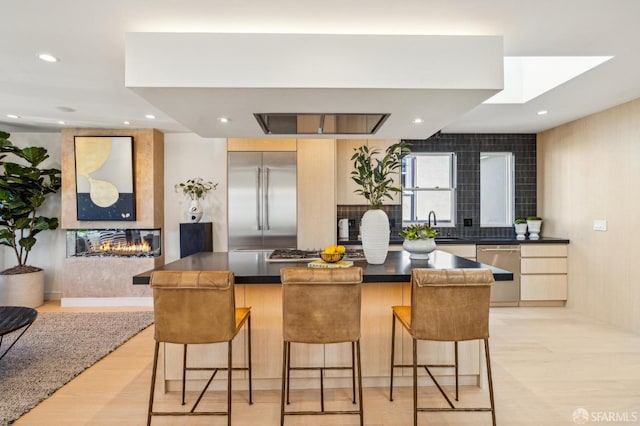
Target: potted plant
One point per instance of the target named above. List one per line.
(534, 223)
(196, 189)
(24, 186)
(374, 174)
(419, 240)
(520, 226)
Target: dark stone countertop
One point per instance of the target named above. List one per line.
(251, 267)
(473, 240)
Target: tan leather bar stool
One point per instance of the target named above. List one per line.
(321, 306)
(451, 306)
(197, 308)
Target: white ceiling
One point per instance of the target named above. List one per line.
(87, 87)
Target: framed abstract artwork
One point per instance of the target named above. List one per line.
(104, 178)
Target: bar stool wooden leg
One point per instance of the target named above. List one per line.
(360, 385)
(353, 370)
(229, 371)
(456, 368)
(153, 382)
(184, 372)
(249, 354)
(415, 382)
(393, 346)
(285, 360)
(288, 369)
(490, 381)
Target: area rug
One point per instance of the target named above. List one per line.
(58, 347)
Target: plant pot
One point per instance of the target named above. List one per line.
(22, 289)
(195, 211)
(374, 231)
(534, 229)
(419, 249)
(521, 230)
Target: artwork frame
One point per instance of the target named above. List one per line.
(105, 180)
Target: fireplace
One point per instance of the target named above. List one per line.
(114, 242)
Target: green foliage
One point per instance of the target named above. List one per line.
(195, 188)
(374, 174)
(533, 218)
(23, 189)
(520, 221)
(418, 231)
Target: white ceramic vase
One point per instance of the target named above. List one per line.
(195, 211)
(534, 229)
(22, 289)
(419, 249)
(374, 231)
(521, 230)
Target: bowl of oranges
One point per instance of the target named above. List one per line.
(332, 254)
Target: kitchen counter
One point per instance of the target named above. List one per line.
(251, 267)
(473, 240)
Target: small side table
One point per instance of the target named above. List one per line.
(195, 237)
(13, 318)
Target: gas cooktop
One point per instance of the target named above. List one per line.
(294, 255)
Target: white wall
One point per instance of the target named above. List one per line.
(187, 155)
(590, 169)
(50, 249)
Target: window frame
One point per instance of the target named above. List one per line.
(408, 173)
(510, 189)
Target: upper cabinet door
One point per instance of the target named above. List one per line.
(345, 185)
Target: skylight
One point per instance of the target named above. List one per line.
(527, 77)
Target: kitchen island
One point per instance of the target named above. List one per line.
(384, 286)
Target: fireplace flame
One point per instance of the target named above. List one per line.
(124, 248)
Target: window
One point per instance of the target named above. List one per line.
(428, 183)
(497, 196)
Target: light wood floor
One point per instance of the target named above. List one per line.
(547, 362)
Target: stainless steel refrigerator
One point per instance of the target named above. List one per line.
(262, 200)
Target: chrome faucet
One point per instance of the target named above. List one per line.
(435, 223)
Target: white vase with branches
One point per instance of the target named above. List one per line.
(374, 174)
(196, 189)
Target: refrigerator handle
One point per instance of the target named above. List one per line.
(258, 200)
(266, 199)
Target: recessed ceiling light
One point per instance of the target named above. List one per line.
(13, 116)
(223, 119)
(62, 122)
(150, 116)
(48, 57)
(126, 122)
(542, 112)
(418, 120)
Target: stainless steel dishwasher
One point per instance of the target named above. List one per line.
(503, 293)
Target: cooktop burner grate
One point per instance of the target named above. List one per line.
(295, 255)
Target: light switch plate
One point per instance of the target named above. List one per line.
(600, 225)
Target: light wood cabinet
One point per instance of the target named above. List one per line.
(345, 186)
(317, 220)
(264, 144)
(543, 274)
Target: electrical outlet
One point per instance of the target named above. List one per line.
(600, 225)
(468, 222)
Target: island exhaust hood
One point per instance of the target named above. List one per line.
(321, 124)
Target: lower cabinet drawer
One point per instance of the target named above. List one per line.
(543, 287)
(550, 265)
